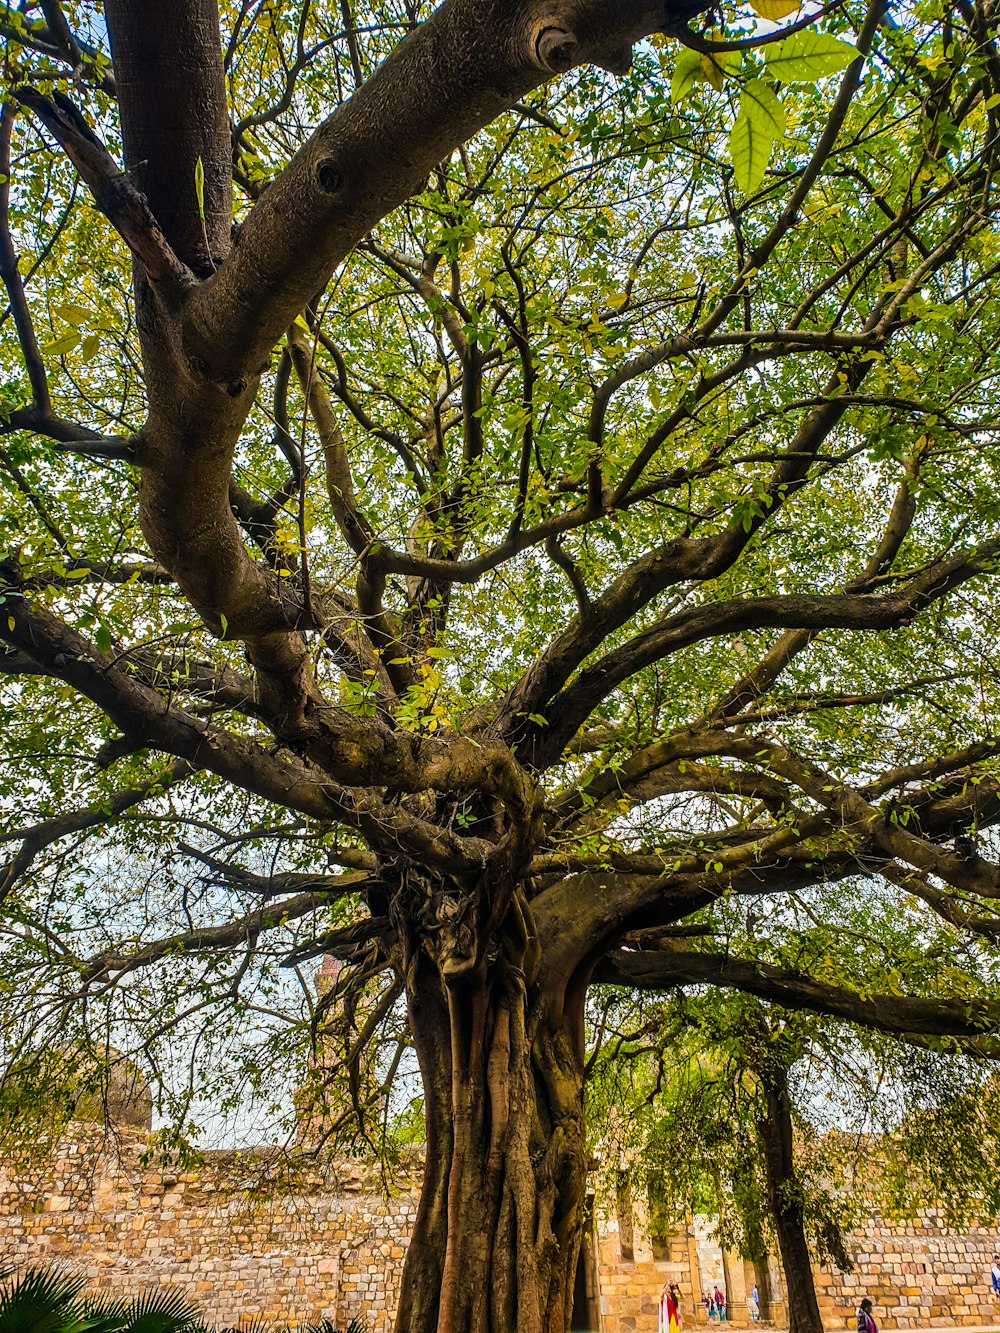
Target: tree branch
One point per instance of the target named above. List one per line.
(973, 1020)
(172, 101)
(470, 61)
(36, 839)
(115, 195)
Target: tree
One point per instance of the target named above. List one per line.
(719, 1119)
(788, 1127)
(533, 515)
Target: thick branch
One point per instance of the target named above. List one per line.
(209, 939)
(969, 1018)
(172, 98)
(852, 611)
(34, 840)
(472, 60)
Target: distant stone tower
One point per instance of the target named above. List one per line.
(56, 1086)
(120, 1098)
(327, 1098)
(312, 1110)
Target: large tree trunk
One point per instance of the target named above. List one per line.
(499, 1226)
(784, 1197)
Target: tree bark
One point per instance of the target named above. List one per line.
(172, 96)
(501, 1215)
(784, 1197)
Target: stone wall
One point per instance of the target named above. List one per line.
(329, 1247)
(331, 1244)
(921, 1275)
(918, 1276)
(631, 1278)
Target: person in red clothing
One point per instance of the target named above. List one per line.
(866, 1321)
(670, 1309)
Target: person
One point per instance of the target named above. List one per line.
(675, 1292)
(720, 1303)
(754, 1304)
(995, 1277)
(866, 1321)
(670, 1309)
(706, 1300)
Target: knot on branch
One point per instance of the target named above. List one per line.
(555, 48)
(329, 177)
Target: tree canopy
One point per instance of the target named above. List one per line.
(500, 495)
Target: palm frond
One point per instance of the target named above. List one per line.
(160, 1311)
(42, 1301)
(256, 1323)
(327, 1326)
(105, 1315)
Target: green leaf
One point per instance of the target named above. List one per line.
(807, 56)
(759, 103)
(712, 71)
(687, 73)
(199, 187)
(749, 148)
(773, 10)
(717, 66)
(103, 639)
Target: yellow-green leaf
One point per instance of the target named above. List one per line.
(90, 346)
(760, 105)
(807, 56)
(712, 71)
(749, 148)
(687, 72)
(199, 187)
(58, 346)
(775, 9)
(73, 314)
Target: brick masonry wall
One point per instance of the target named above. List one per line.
(332, 1247)
(921, 1275)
